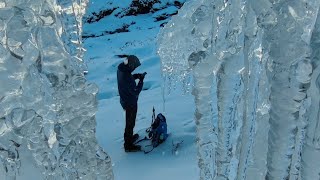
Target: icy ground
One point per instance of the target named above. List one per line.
(163, 162)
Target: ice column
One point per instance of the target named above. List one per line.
(71, 13)
(311, 151)
(228, 44)
(206, 133)
(287, 33)
(209, 38)
(47, 109)
(195, 57)
(264, 58)
(252, 144)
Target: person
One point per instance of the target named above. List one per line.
(129, 92)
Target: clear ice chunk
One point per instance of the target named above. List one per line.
(257, 63)
(47, 108)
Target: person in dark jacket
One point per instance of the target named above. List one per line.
(129, 92)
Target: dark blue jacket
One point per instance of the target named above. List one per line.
(128, 89)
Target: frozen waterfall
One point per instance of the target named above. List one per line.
(254, 65)
(47, 109)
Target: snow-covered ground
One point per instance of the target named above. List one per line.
(162, 162)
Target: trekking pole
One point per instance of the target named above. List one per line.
(153, 115)
(152, 120)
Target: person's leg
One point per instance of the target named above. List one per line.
(131, 113)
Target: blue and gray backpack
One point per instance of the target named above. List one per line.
(157, 133)
(158, 130)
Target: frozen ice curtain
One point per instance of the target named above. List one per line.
(47, 108)
(254, 67)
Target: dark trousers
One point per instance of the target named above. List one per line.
(131, 113)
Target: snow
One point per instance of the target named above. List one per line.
(102, 63)
(161, 162)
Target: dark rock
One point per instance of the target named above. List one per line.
(97, 17)
(162, 25)
(165, 16)
(124, 28)
(178, 4)
(141, 7)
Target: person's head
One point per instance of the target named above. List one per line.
(133, 62)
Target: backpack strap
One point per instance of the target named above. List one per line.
(145, 138)
(146, 152)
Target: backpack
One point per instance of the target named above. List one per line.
(158, 130)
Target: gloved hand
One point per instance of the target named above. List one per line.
(142, 76)
(136, 76)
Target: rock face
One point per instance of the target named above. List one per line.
(134, 8)
(47, 109)
(254, 66)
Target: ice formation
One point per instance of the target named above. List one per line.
(254, 65)
(47, 109)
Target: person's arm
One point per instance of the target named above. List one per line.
(140, 84)
(136, 89)
(136, 76)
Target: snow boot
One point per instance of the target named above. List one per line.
(135, 137)
(132, 148)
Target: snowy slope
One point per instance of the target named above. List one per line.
(108, 31)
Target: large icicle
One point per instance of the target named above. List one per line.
(203, 116)
(264, 56)
(252, 146)
(207, 40)
(47, 109)
(71, 13)
(228, 48)
(196, 57)
(288, 36)
(311, 151)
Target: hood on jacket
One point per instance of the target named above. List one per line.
(133, 62)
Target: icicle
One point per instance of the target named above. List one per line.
(263, 80)
(47, 108)
(163, 92)
(287, 90)
(206, 135)
(311, 153)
